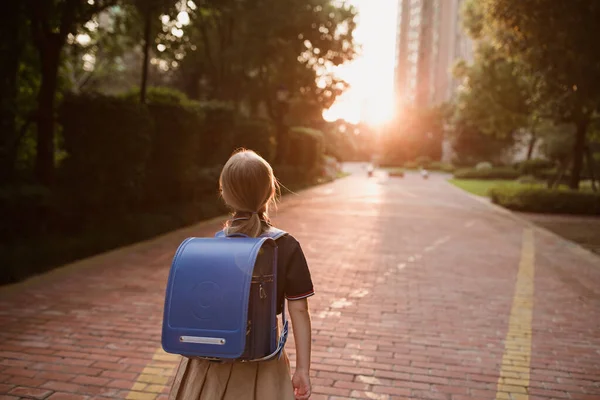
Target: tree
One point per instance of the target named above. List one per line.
(12, 46)
(472, 146)
(252, 53)
(149, 12)
(555, 39)
(500, 95)
(493, 97)
(51, 23)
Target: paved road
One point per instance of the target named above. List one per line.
(422, 292)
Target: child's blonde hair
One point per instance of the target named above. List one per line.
(248, 185)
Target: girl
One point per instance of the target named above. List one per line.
(249, 188)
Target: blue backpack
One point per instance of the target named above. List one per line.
(221, 299)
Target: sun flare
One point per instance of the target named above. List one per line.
(370, 98)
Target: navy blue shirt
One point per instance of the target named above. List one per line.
(293, 276)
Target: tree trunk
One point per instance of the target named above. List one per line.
(531, 146)
(578, 151)
(44, 163)
(558, 178)
(147, 34)
(10, 54)
(591, 167)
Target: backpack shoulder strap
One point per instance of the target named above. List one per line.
(274, 233)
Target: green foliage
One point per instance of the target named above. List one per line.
(23, 210)
(108, 141)
(174, 157)
(482, 187)
(159, 95)
(472, 146)
(307, 145)
(483, 165)
(529, 179)
(292, 177)
(423, 161)
(552, 38)
(495, 96)
(491, 173)
(342, 141)
(217, 138)
(53, 249)
(558, 142)
(533, 166)
(248, 51)
(257, 135)
(441, 166)
(547, 201)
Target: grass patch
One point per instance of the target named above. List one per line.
(482, 187)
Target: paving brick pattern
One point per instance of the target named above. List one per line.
(415, 282)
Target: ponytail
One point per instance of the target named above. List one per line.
(251, 226)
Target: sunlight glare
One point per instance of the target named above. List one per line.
(370, 97)
(183, 18)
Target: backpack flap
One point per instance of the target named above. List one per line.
(206, 304)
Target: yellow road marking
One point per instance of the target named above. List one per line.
(513, 383)
(153, 379)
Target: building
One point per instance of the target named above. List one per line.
(429, 41)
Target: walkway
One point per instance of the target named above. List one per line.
(422, 292)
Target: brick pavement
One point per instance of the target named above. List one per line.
(422, 292)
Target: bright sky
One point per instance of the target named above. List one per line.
(371, 75)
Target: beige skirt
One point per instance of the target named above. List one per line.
(202, 380)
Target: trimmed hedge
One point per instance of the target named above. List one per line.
(158, 95)
(133, 171)
(108, 141)
(23, 211)
(218, 133)
(540, 200)
(174, 157)
(492, 173)
(308, 148)
(441, 166)
(257, 135)
(531, 167)
(423, 161)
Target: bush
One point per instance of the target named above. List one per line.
(292, 177)
(494, 173)
(423, 161)
(411, 165)
(540, 200)
(531, 167)
(441, 166)
(108, 141)
(174, 156)
(484, 166)
(217, 133)
(159, 95)
(23, 210)
(308, 148)
(257, 135)
(528, 179)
